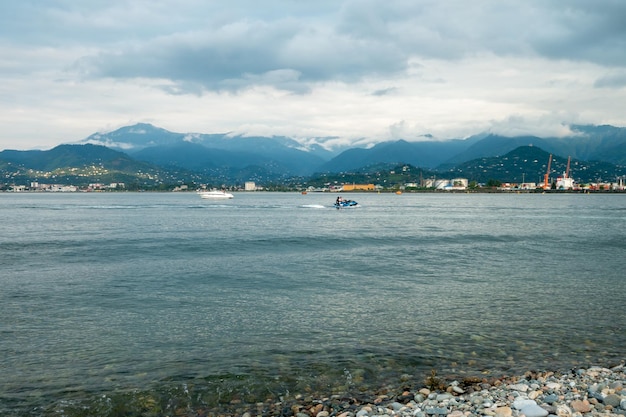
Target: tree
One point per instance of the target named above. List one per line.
(494, 183)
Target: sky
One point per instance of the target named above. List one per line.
(358, 71)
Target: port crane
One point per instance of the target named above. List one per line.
(546, 179)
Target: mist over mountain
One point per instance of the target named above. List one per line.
(602, 143)
(156, 145)
(426, 154)
(144, 151)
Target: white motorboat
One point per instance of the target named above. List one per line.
(216, 194)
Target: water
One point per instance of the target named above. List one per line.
(164, 300)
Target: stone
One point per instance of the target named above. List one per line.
(396, 406)
(563, 411)
(519, 387)
(444, 397)
(362, 412)
(458, 389)
(551, 399)
(437, 411)
(613, 400)
(503, 412)
(553, 386)
(522, 402)
(581, 406)
(533, 410)
(596, 395)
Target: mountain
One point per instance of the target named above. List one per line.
(83, 164)
(601, 143)
(70, 156)
(494, 145)
(426, 154)
(194, 151)
(133, 138)
(138, 136)
(282, 156)
(529, 164)
(145, 154)
(587, 142)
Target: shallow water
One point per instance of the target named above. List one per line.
(270, 294)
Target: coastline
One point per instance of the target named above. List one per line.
(594, 391)
(580, 392)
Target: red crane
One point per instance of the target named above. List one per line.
(546, 185)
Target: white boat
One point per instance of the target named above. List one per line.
(217, 194)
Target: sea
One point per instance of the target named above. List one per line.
(147, 303)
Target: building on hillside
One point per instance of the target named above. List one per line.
(249, 186)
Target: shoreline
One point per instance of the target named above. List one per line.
(579, 392)
(593, 391)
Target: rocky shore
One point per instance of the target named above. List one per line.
(595, 391)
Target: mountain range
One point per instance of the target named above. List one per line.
(148, 154)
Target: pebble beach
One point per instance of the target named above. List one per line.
(594, 391)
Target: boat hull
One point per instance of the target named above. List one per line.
(215, 195)
(346, 204)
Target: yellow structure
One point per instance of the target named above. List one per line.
(358, 187)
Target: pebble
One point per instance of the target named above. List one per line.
(613, 400)
(550, 399)
(592, 392)
(503, 412)
(533, 410)
(582, 406)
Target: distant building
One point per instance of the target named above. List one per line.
(249, 186)
(444, 184)
(459, 183)
(358, 187)
(528, 186)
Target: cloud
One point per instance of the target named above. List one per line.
(549, 125)
(356, 40)
(240, 54)
(359, 71)
(614, 80)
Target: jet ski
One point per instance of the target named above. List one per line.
(346, 204)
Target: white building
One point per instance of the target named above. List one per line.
(450, 185)
(249, 186)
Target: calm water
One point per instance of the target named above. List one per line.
(176, 298)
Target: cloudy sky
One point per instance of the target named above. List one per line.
(362, 71)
